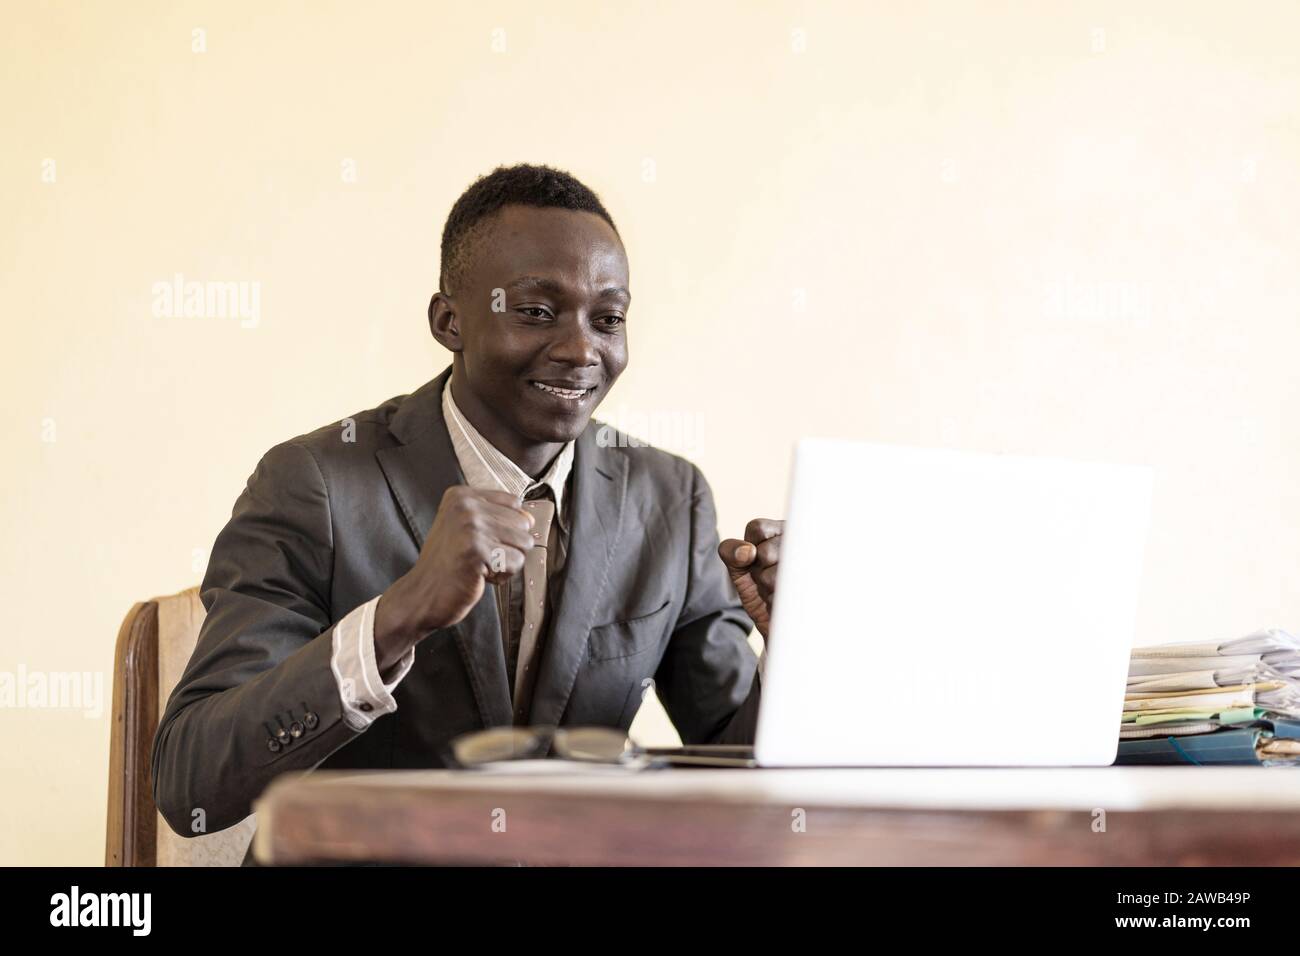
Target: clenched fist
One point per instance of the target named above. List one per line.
(752, 564)
(477, 537)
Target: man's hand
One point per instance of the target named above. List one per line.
(477, 536)
(752, 565)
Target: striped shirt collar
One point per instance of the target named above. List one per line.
(487, 469)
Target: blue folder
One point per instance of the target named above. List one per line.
(1231, 745)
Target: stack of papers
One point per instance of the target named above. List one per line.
(1235, 702)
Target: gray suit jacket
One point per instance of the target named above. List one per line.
(325, 525)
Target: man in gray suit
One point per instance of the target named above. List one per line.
(476, 554)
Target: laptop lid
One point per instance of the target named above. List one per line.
(942, 608)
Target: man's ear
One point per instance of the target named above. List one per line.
(444, 322)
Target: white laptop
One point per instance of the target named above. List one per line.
(940, 608)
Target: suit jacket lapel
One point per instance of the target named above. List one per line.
(598, 493)
(419, 470)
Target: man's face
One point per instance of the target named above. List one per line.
(542, 319)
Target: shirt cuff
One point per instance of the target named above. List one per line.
(364, 693)
(762, 659)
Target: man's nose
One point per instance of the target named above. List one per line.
(574, 344)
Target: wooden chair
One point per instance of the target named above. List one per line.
(153, 647)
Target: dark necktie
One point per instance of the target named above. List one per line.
(528, 604)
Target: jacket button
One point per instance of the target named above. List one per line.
(311, 720)
(273, 745)
(295, 730)
(282, 735)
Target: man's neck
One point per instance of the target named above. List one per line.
(533, 458)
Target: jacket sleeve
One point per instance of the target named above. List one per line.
(258, 697)
(707, 679)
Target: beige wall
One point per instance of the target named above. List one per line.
(1042, 227)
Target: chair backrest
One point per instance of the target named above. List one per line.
(153, 646)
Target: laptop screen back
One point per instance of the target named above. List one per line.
(940, 608)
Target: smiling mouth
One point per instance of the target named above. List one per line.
(568, 394)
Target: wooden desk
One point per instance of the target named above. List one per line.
(1163, 816)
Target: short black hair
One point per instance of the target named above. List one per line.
(521, 185)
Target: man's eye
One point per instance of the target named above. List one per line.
(611, 321)
(533, 311)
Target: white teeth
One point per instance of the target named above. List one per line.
(570, 393)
